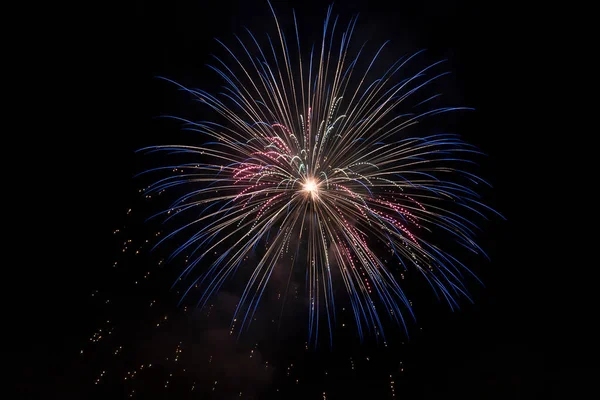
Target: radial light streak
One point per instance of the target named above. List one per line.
(312, 164)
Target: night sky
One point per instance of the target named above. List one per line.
(529, 333)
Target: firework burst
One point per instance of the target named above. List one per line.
(312, 164)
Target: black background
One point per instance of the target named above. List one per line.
(530, 333)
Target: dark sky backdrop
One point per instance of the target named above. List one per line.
(529, 333)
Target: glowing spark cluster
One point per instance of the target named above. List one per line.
(312, 163)
(311, 187)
